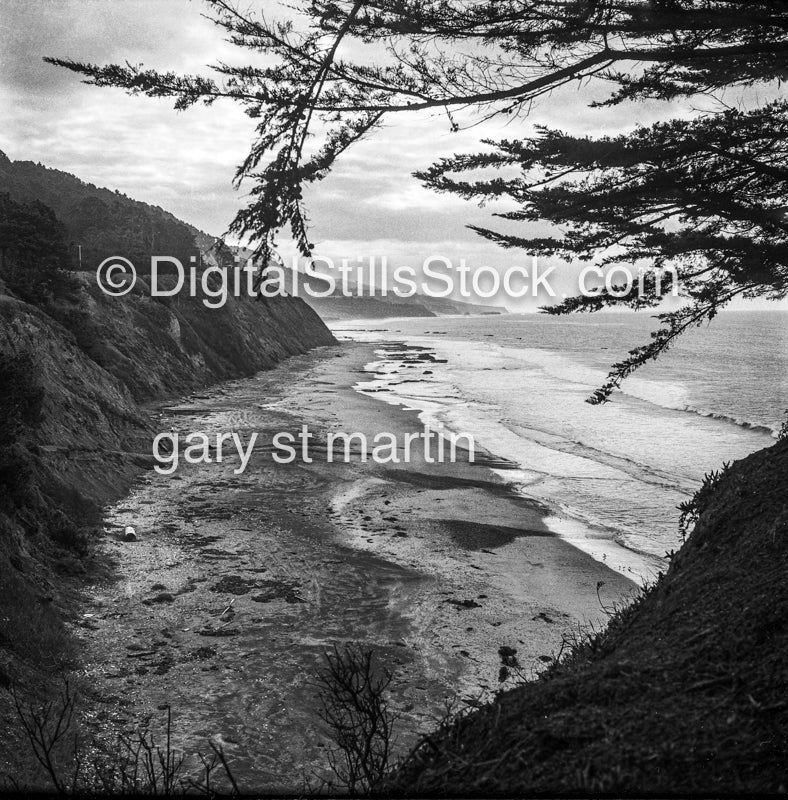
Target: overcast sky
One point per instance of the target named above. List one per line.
(184, 161)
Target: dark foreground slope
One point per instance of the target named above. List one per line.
(684, 692)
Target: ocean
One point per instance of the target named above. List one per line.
(612, 475)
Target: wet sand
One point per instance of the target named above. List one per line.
(239, 583)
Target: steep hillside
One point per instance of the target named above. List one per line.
(102, 221)
(166, 346)
(684, 693)
(71, 438)
(75, 365)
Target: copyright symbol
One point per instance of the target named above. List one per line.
(124, 284)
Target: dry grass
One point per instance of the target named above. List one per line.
(683, 692)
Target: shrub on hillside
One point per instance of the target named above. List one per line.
(34, 250)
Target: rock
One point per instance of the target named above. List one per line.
(203, 653)
(161, 597)
(234, 584)
(463, 603)
(278, 590)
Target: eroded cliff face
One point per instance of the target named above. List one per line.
(78, 374)
(79, 371)
(87, 423)
(97, 357)
(160, 347)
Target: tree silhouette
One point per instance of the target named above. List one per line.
(315, 97)
(705, 197)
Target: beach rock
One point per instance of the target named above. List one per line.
(234, 584)
(278, 590)
(203, 653)
(161, 597)
(464, 603)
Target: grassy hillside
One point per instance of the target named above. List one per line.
(683, 693)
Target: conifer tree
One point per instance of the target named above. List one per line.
(705, 196)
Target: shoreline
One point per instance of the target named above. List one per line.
(594, 540)
(468, 528)
(239, 583)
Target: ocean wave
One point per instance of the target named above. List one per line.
(742, 423)
(668, 395)
(747, 424)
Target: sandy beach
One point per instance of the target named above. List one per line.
(239, 583)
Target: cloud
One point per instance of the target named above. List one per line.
(185, 162)
(99, 32)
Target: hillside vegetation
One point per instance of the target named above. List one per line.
(684, 692)
(104, 222)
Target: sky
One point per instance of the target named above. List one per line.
(185, 161)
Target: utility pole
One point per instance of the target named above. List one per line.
(79, 247)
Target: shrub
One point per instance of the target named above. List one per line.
(354, 706)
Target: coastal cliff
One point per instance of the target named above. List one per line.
(79, 371)
(94, 359)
